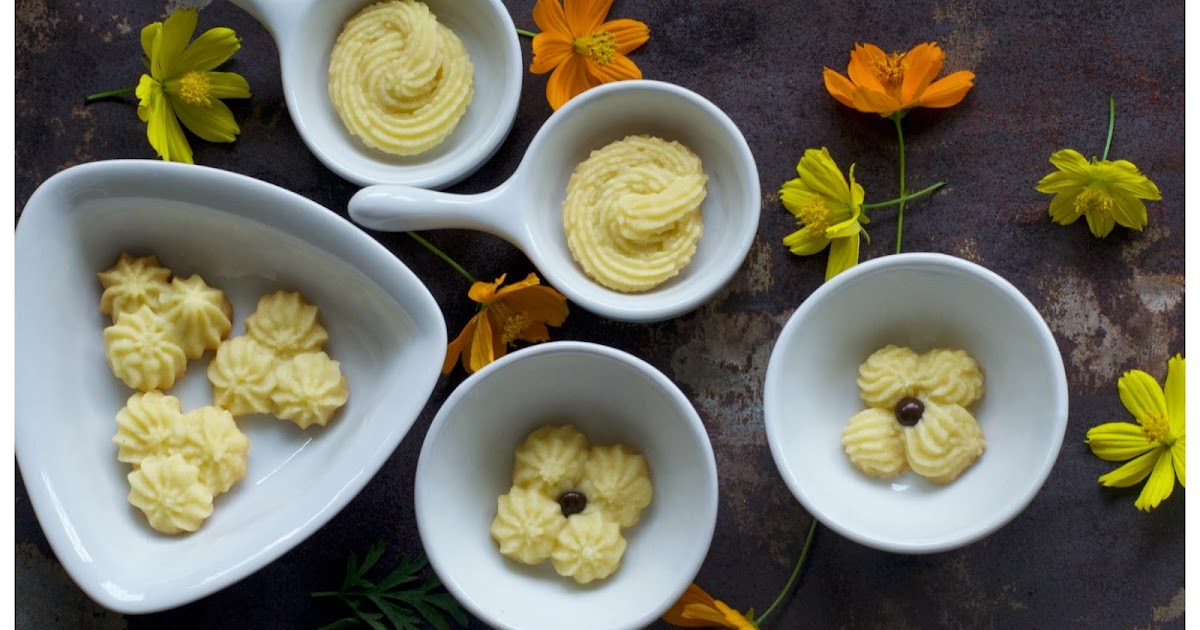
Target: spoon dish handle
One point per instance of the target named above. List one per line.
(395, 208)
(276, 15)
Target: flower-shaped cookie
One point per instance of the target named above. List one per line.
(131, 284)
(919, 414)
(570, 501)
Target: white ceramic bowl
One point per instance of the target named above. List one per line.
(247, 238)
(467, 462)
(922, 301)
(305, 31)
(527, 209)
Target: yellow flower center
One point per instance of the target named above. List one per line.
(891, 69)
(599, 46)
(815, 215)
(1093, 201)
(1156, 428)
(195, 89)
(514, 326)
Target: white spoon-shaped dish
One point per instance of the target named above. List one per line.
(526, 210)
(305, 31)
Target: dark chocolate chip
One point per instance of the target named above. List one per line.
(572, 502)
(909, 411)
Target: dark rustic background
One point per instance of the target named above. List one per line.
(1079, 555)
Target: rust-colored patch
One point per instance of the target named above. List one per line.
(1102, 349)
(36, 26)
(967, 44)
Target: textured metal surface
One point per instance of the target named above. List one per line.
(1078, 556)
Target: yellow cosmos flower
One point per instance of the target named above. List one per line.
(182, 87)
(828, 209)
(581, 48)
(1107, 193)
(520, 311)
(697, 609)
(1157, 443)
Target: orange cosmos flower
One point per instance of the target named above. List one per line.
(520, 311)
(697, 609)
(581, 48)
(884, 84)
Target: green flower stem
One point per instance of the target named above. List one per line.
(900, 213)
(441, 254)
(795, 574)
(526, 33)
(100, 95)
(899, 200)
(1112, 119)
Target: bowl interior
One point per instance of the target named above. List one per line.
(487, 31)
(466, 463)
(383, 326)
(611, 112)
(922, 301)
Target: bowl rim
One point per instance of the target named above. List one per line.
(707, 514)
(288, 213)
(773, 382)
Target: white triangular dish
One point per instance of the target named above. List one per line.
(247, 238)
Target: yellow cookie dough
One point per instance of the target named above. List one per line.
(874, 442)
(589, 547)
(309, 388)
(199, 315)
(168, 490)
(632, 212)
(216, 446)
(141, 350)
(918, 415)
(399, 79)
(551, 460)
(150, 423)
(526, 525)
(131, 284)
(286, 325)
(617, 481)
(944, 443)
(243, 376)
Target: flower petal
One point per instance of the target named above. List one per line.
(539, 304)
(454, 350)
(806, 241)
(228, 85)
(696, 599)
(482, 348)
(1118, 441)
(872, 102)
(627, 34)
(1175, 394)
(619, 69)
(530, 280)
(793, 194)
(1062, 208)
(1132, 471)
(549, 17)
(163, 130)
(176, 31)
(924, 63)
(1141, 395)
(213, 48)
(1100, 223)
(839, 87)
(948, 90)
(843, 254)
(485, 292)
(1128, 211)
(864, 59)
(1070, 160)
(1062, 181)
(549, 51)
(585, 16)
(150, 33)
(568, 80)
(1125, 175)
(1160, 485)
(820, 174)
(1179, 459)
(214, 123)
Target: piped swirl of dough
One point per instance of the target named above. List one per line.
(944, 443)
(632, 212)
(888, 375)
(400, 80)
